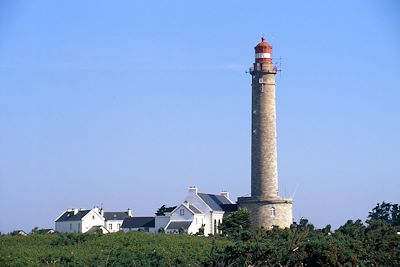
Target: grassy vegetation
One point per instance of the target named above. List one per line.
(118, 249)
(373, 243)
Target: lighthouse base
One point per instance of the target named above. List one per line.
(267, 213)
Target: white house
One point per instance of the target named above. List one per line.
(78, 220)
(198, 210)
(214, 208)
(185, 218)
(113, 219)
(19, 232)
(82, 221)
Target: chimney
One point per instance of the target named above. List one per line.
(129, 212)
(193, 190)
(225, 194)
(99, 210)
(75, 211)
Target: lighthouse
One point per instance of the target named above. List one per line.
(266, 207)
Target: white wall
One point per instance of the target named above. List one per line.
(115, 225)
(68, 227)
(182, 213)
(196, 201)
(209, 214)
(91, 219)
(198, 220)
(160, 222)
(216, 217)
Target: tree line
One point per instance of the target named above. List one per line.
(375, 242)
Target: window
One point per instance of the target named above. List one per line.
(110, 226)
(215, 227)
(182, 212)
(272, 212)
(70, 226)
(118, 226)
(92, 217)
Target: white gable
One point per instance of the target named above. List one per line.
(182, 213)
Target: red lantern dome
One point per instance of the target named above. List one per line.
(263, 52)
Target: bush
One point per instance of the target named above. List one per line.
(353, 244)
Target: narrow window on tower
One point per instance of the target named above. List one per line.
(273, 212)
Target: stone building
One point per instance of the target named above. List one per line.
(266, 207)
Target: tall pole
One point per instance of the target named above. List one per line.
(264, 175)
(266, 208)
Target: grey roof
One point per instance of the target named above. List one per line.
(19, 232)
(95, 228)
(45, 231)
(176, 225)
(229, 208)
(215, 202)
(138, 222)
(117, 215)
(70, 216)
(194, 209)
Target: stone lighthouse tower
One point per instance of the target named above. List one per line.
(266, 207)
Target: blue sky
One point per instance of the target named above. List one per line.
(128, 103)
